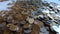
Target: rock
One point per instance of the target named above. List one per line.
(53, 23)
(29, 17)
(9, 19)
(27, 31)
(30, 20)
(41, 33)
(39, 23)
(32, 32)
(36, 21)
(12, 27)
(7, 32)
(27, 25)
(23, 22)
(43, 29)
(36, 28)
(46, 32)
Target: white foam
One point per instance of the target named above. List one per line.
(4, 5)
(45, 11)
(56, 28)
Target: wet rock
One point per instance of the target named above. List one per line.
(41, 33)
(23, 22)
(44, 30)
(39, 23)
(27, 31)
(9, 19)
(7, 32)
(52, 24)
(36, 29)
(30, 20)
(12, 27)
(32, 32)
(27, 25)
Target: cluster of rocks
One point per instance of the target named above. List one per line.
(29, 18)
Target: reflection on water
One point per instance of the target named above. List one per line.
(55, 1)
(57, 28)
(5, 4)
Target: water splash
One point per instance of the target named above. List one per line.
(56, 28)
(4, 5)
(54, 1)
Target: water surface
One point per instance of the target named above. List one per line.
(4, 5)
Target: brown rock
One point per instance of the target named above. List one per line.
(32, 32)
(26, 25)
(30, 20)
(36, 28)
(12, 27)
(39, 23)
(7, 31)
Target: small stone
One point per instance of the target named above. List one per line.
(12, 27)
(26, 25)
(30, 20)
(32, 32)
(39, 23)
(27, 31)
(36, 21)
(9, 19)
(43, 29)
(47, 27)
(48, 22)
(41, 33)
(53, 23)
(46, 32)
(7, 31)
(23, 22)
(36, 28)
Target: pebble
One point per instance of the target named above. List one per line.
(41, 33)
(43, 29)
(9, 19)
(30, 20)
(12, 27)
(27, 31)
(36, 28)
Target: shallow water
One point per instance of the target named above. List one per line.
(56, 28)
(55, 1)
(4, 5)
